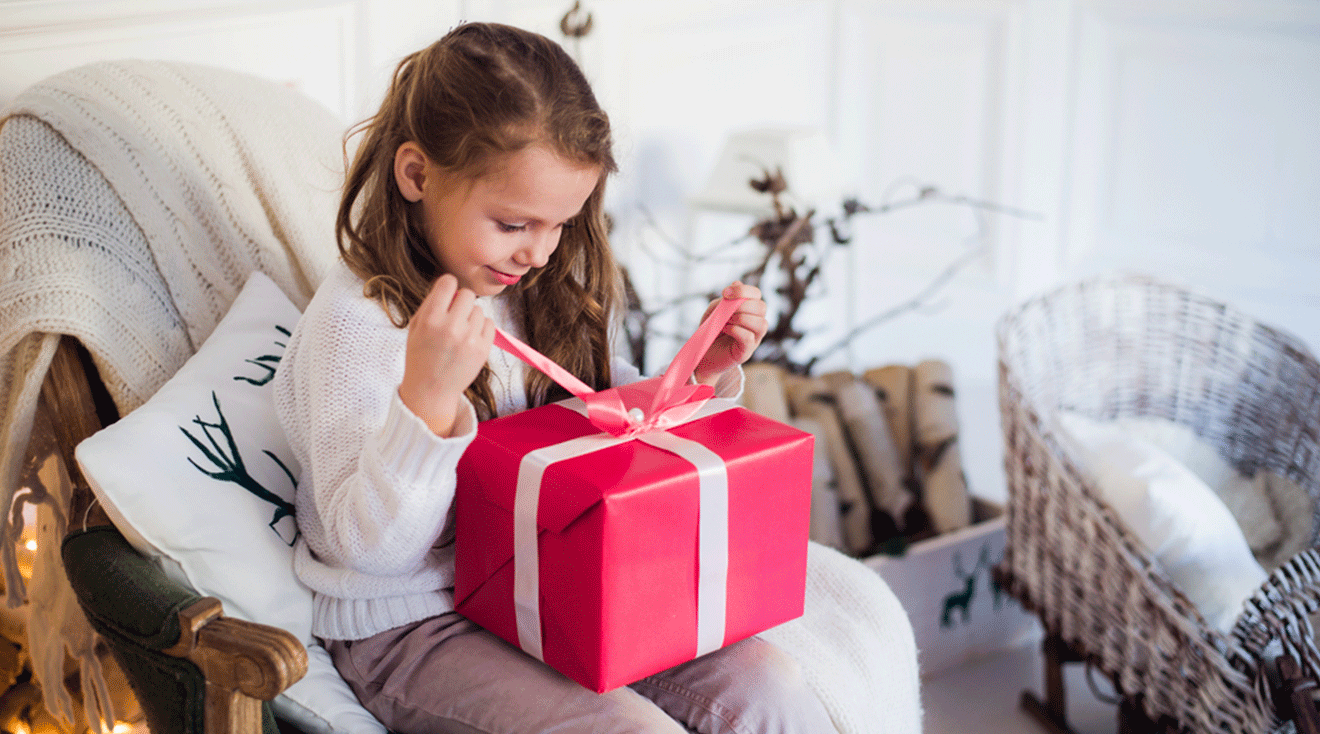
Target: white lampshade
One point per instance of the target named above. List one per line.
(805, 156)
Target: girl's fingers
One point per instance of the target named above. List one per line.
(755, 308)
(474, 314)
(437, 299)
(465, 301)
(443, 290)
(744, 335)
(755, 324)
(752, 300)
(751, 309)
(739, 289)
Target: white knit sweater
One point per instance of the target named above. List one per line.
(376, 544)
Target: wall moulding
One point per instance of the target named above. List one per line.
(44, 17)
(309, 45)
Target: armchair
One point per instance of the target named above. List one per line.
(192, 669)
(137, 200)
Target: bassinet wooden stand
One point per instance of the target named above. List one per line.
(1294, 694)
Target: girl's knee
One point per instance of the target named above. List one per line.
(783, 700)
(777, 668)
(750, 687)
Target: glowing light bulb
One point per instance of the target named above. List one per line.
(121, 728)
(31, 545)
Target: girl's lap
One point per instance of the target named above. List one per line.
(446, 674)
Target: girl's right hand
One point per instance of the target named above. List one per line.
(449, 340)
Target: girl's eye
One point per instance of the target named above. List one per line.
(506, 227)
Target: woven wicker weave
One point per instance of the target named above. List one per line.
(1131, 346)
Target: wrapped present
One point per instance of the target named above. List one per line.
(625, 531)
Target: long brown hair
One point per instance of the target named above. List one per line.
(485, 90)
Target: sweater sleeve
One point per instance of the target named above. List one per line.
(377, 485)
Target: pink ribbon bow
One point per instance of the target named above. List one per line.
(619, 411)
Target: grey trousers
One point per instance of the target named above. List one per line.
(446, 675)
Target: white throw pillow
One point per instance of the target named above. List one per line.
(200, 478)
(1180, 520)
(1296, 512)
(1244, 497)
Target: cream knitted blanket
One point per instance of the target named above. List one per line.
(856, 648)
(217, 183)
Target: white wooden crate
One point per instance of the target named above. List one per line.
(945, 585)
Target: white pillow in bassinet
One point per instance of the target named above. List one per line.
(1173, 513)
(1245, 498)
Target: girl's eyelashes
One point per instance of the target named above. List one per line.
(510, 227)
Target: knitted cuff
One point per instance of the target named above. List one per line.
(415, 454)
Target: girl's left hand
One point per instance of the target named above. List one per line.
(739, 338)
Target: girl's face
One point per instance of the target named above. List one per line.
(491, 231)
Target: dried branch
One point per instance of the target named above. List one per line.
(789, 241)
(911, 304)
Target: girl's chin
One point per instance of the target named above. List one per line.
(484, 284)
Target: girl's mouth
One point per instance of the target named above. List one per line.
(505, 278)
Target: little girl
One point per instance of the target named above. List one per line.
(475, 199)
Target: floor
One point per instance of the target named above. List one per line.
(982, 696)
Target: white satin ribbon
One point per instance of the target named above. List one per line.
(712, 526)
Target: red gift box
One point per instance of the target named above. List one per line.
(641, 546)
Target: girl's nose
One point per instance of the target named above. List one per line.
(538, 250)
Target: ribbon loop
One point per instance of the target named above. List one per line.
(673, 400)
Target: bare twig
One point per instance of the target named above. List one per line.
(789, 240)
(911, 304)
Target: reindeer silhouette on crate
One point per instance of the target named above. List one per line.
(947, 587)
(961, 600)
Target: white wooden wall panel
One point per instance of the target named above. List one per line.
(694, 76)
(1196, 152)
(929, 97)
(257, 39)
(340, 52)
(390, 29)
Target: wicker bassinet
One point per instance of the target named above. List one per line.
(1131, 346)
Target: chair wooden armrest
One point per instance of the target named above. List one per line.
(244, 663)
(145, 616)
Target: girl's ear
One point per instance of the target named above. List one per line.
(410, 171)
